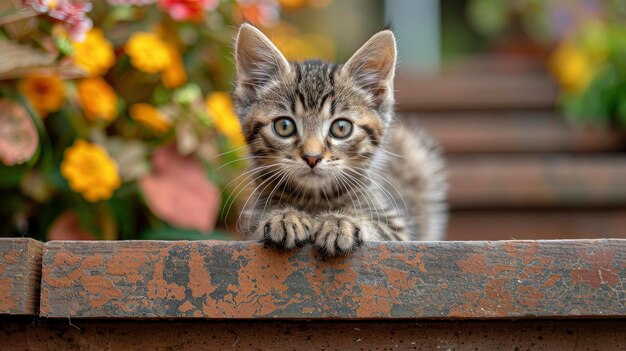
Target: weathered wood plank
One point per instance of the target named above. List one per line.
(514, 132)
(535, 224)
(475, 91)
(537, 182)
(20, 261)
(589, 335)
(209, 279)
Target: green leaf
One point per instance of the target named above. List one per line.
(87, 216)
(64, 45)
(125, 211)
(170, 233)
(621, 106)
(488, 16)
(10, 176)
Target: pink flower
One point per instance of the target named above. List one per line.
(73, 15)
(184, 10)
(132, 2)
(41, 6)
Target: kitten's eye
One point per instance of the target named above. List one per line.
(284, 127)
(341, 129)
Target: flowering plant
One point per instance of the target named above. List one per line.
(586, 41)
(590, 66)
(114, 120)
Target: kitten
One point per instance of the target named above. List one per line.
(330, 165)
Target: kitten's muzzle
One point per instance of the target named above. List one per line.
(312, 160)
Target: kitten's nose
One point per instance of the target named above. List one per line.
(312, 160)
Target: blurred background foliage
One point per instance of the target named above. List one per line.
(585, 41)
(115, 118)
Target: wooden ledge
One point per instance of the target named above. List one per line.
(20, 267)
(449, 280)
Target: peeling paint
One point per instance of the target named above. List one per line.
(381, 280)
(474, 264)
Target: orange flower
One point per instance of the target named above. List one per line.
(98, 99)
(264, 13)
(45, 92)
(174, 74)
(292, 4)
(150, 117)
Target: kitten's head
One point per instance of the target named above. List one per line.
(313, 121)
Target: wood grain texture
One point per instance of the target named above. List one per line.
(590, 335)
(20, 261)
(508, 279)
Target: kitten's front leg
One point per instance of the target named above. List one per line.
(286, 228)
(339, 233)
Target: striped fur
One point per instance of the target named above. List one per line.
(383, 182)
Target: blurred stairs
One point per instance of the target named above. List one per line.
(517, 169)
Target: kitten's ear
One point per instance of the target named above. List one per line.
(258, 60)
(373, 66)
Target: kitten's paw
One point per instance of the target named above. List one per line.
(287, 229)
(337, 234)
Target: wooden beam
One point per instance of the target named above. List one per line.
(394, 280)
(535, 224)
(20, 261)
(490, 132)
(476, 91)
(537, 182)
(64, 334)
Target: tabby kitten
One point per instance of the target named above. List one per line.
(330, 166)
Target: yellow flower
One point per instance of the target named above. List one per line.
(94, 54)
(150, 117)
(90, 171)
(148, 53)
(174, 74)
(571, 67)
(45, 92)
(98, 99)
(220, 108)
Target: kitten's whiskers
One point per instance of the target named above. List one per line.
(238, 193)
(267, 182)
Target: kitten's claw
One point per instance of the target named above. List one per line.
(287, 229)
(337, 234)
